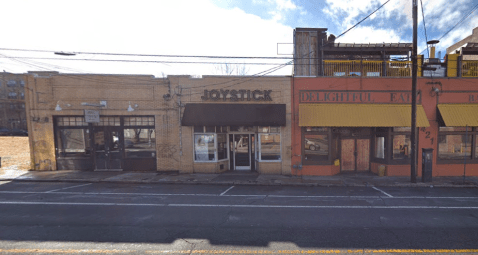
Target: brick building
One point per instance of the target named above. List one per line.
(142, 123)
(12, 101)
(351, 109)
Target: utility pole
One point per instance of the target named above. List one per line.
(413, 138)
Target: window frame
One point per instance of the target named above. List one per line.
(259, 147)
(329, 134)
(215, 133)
(473, 159)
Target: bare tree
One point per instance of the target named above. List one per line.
(231, 69)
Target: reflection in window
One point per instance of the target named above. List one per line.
(380, 147)
(204, 147)
(454, 147)
(140, 143)
(73, 142)
(401, 146)
(316, 147)
(221, 146)
(269, 146)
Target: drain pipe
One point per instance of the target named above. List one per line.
(180, 127)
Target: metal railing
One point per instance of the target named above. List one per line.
(469, 68)
(367, 68)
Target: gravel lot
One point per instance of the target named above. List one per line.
(15, 153)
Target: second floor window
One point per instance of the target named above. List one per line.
(12, 95)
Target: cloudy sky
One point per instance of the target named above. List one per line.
(235, 28)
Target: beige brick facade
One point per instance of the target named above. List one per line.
(163, 98)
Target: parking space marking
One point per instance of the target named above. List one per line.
(222, 194)
(71, 187)
(382, 191)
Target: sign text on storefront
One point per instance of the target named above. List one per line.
(314, 96)
(236, 95)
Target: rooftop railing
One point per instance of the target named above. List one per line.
(469, 68)
(367, 68)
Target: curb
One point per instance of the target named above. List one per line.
(402, 185)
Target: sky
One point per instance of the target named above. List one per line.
(231, 28)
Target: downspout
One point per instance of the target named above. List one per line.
(180, 127)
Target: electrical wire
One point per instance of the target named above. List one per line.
(144, 61)
(362, 20)
(150, 55)
(461, 20)
(425, 28)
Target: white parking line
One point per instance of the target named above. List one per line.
(68, 187)
(237, 206)
(216, 195)
(382, 191)
(222, 194)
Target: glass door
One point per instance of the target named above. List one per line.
(242, 152)
(108, 148)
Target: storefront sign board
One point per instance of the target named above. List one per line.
(92, 116)
(358, 96)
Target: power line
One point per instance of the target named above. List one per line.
(150, 55)
(461, 20)
(362, 20)
(145, 61)
(425, 28)
(474, 9)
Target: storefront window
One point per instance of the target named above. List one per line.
(401, 147)
(269, 147)
(454, 146)
(316, 147)
(204, 146)
(221, 146)
(139, 142)
(73, 142)
(380, 147)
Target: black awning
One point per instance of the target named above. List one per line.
(234, 115)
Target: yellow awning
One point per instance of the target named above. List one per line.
(459, 115)
(360, 115)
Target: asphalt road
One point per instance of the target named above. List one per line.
(183, 219)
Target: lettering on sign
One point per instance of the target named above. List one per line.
(398, 97)
(92, 116)
(237, 95)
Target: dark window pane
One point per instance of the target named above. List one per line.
(210, 129)
(73, 142)
(401, 147)
(140, 143)
(198, 129)
(221, 146)
(316, 147)
(270, 146)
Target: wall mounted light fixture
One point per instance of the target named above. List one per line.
(130, 109)
(58, 108)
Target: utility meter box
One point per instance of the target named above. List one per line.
(427, 160)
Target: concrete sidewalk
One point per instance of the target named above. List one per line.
(233, 178)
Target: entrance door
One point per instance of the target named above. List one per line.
(355, 154)
(108, 148)
(242, 152)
